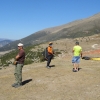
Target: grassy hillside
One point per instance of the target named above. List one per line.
(80, 28)
(34, 54)
(31, 56)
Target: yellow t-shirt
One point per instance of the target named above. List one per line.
(77, 50)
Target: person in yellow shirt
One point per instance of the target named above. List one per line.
(50, 54)
(77, 53)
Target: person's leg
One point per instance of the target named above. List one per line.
(75, 66)
(77, 63)
(16, 77)
(49, 60)
(19, 72)
(16, 74)
(74, 63)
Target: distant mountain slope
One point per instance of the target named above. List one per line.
(1, 39)
(78, 28)
(4, 42)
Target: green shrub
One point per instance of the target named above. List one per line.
(31, 56)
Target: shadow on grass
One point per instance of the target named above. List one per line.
(26, 81)
(79, 69)
(52, 65)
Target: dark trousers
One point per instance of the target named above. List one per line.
(49, 59)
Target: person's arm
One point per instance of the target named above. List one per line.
(72, 50)
(17, 57)
(81, 54)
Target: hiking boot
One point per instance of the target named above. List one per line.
(18, 85)
(75, 71)
(13, 85)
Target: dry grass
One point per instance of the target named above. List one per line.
(57, 83)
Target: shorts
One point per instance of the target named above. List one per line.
(76, 59)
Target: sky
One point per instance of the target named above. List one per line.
(21, 18)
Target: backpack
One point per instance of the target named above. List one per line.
(45, 53)
(86, 58)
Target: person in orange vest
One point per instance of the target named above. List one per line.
(50, 54)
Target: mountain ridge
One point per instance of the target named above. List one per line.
(78, 28)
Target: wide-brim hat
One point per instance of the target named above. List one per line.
(50, 43)
(20, 44)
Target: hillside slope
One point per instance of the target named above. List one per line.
(4, 42)
(79, 28)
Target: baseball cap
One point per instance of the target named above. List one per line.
(20, 44)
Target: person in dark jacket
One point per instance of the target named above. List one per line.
(20, 57)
